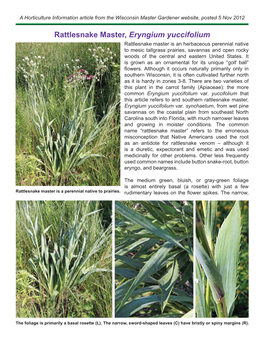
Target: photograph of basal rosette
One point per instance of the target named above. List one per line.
(63, 259)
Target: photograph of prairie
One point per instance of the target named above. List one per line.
(154, 259)
(221, 265)
(63, 259)
(67, 114)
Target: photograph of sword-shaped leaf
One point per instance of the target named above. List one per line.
(221, 259)
(154, 259)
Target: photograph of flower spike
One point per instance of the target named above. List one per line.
(63, 259)
(154, 259)
(221, 259)
(67, 114)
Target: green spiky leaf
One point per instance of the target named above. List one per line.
(227, 253)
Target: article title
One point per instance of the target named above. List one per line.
(132, 34)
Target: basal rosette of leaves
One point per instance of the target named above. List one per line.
(154, 267)
(61, 258)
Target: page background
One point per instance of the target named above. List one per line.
(13, 34)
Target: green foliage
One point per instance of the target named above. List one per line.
(153, 259)
(67, 152)
(55, 262)
(217, 253)
(28, 170)
(67, 113)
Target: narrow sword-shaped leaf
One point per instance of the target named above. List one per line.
(121, 290)
(200, 292)
(140, 303)
(212, 273)
(210, 222)
(142, 221)
(227, 253)
(167, 282)
(151, 266)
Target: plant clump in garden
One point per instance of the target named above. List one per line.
(64, 259)
(67, 119)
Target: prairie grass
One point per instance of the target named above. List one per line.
(63, 259)
(67, 114)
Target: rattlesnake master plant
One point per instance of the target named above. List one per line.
(72, 114)
(67, 150)
(63, 263)
(154, 259)
(217, 254)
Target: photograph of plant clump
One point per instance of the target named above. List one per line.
(63, 259)
(222, 259)
(67, 114)
(154, 259)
